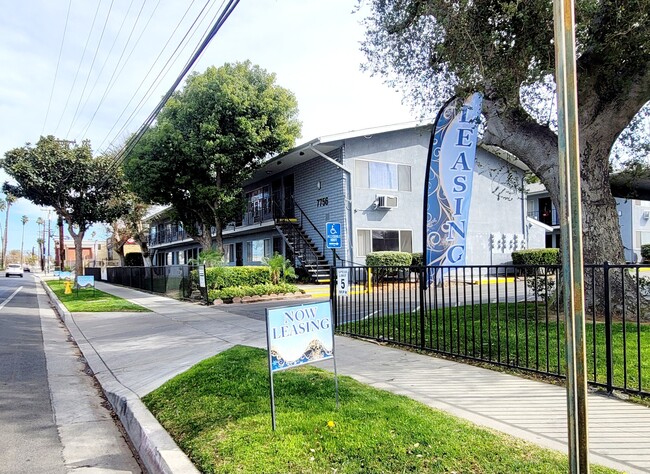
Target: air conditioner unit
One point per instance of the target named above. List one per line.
(386, 202)
(646, 215)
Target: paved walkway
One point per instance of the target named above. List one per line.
(133, 354)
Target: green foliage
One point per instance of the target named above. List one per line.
(231, 292)
(209, 258)
(207, 141)
(218, 413)
(388, 259)
(222, 277)
(645, 252)
(537, 257)
(81, 189)
(280, 268)
(134, 259)
(417, 259)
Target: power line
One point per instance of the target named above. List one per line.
(116, 74)
(133, 141)
(58, 62)
(79, 67)
(148, 72)
(92, 64)
(170, 61)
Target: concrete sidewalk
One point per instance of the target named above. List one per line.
(134, 353)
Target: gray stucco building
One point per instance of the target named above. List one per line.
(371, 182)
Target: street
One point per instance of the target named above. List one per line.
(52, 415)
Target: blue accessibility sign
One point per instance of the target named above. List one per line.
(333, 235)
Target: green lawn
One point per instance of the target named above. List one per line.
(219, 414)
(87, 300)
(520, 335)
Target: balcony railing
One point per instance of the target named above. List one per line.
(167, 237)
(546, 217)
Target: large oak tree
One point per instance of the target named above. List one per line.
(82, 189)
(207, 140)
(432, 49)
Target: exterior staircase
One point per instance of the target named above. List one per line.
(304, 249)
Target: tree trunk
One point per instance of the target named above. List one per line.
(537, 147)
(144, 247)
(205, 239)
(77, 237)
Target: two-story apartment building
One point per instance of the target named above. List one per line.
(633, 215)
(371, 182)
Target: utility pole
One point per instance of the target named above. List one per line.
(61, 245)
(49, 236)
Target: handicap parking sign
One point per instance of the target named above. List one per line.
(333, 234)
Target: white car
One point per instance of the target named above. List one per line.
(14, 269)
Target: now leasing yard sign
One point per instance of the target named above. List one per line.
(298, 335)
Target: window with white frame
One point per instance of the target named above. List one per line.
(229, 253)
(382, 175)
(258, 249)
(379, 240)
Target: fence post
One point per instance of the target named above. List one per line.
(333, 299)
(423, 282)
(608, 329)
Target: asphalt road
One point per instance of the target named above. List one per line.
(29, 437)
(53, 418)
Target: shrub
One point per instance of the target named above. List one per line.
(645, 253)
(537, 257)
(248, 290)
(224, 277)
(280, 268)
(388, 259)
(417, 259)
(134, 259)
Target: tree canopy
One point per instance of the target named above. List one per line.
(431, 49)
(81, 188)
(206, 142)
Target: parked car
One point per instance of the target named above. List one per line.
(26, 269)
(14, 269)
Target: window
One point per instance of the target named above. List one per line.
(258, 249)
(382, 175)
(379, 240)
(229, 253)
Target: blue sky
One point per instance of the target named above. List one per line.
(312, 46)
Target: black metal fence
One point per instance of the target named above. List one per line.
(510, 316)
(172, 280)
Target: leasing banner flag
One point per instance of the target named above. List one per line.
(448, 184)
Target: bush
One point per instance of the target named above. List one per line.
(388, 259)
(391, 264)
(217, 278)
(417, 260)
(134, 259)
(537, 257)
(645, 253)
(247, 290)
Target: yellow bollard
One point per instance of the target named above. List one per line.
(68, 287)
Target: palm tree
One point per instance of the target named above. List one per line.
(24, 220)
(9, 200)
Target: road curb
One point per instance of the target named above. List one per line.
(156, 448)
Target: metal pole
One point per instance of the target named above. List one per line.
(571, 224)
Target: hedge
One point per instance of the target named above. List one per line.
(248, 290)
(389, 259)
(537, 257)
(133, 259)
(645, 253)
(217, 278)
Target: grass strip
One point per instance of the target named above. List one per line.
(219, 414)
(87, 300)
(519, 335)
